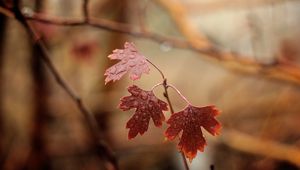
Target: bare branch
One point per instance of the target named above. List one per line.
(280, 70)
(178, 14)
(91, 122)
(85, 10)
(166, 95)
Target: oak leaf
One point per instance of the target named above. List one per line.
(130, 61)
(189, 121)
(147, 106)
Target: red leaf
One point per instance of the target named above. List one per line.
(147, 106)
(189, 121)
(131, 61)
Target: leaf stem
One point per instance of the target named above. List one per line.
(160, 72)
(165, 84)
(166, 95)
(178, 92)
(156, 85)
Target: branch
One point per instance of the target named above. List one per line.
(267, 148)
(279, 70)
(166, 95)
(178, 14)
(101, 147)
(85, 10)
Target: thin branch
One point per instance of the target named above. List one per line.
(141, 15)
(89, 117)
(85, 10)
(166, 95)
(280, 70)
(6, 12)
(179, 15)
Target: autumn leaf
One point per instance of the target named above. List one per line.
(189, 121)
(130, 61)
(147, 106)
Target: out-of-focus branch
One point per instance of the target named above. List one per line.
(263, 147)
(280, 70)
(177, 12)
(85, 10)
(6, 12)
(100, 145)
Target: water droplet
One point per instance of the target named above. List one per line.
(144, 96)
(165, 46)
(131, 56)
(112, 70)
(131, 64)
(143, 107)
(142, 62)
(27, 11)
(185, 112)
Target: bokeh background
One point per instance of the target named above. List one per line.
(42, 128)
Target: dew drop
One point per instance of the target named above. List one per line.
(165, 46)
(131, 64)
(113, 70)
(142, 62)
(185, 112)
(136, 116)
(27, 11)
(131, 56)
(144, 95)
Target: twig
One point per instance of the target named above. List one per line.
(90, 119)
(178, 13)
(6, 12)
(141, 14)
(280, 70)
(166, 95)
(85, 10)
(277, 69)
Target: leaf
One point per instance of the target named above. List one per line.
(189, 121)
(147, 106)
(130, 61)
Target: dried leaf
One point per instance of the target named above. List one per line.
(130, 61)
(147, 106)
(189, 121)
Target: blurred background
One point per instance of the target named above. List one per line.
(42, 128)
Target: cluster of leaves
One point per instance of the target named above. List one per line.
(147, 106)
